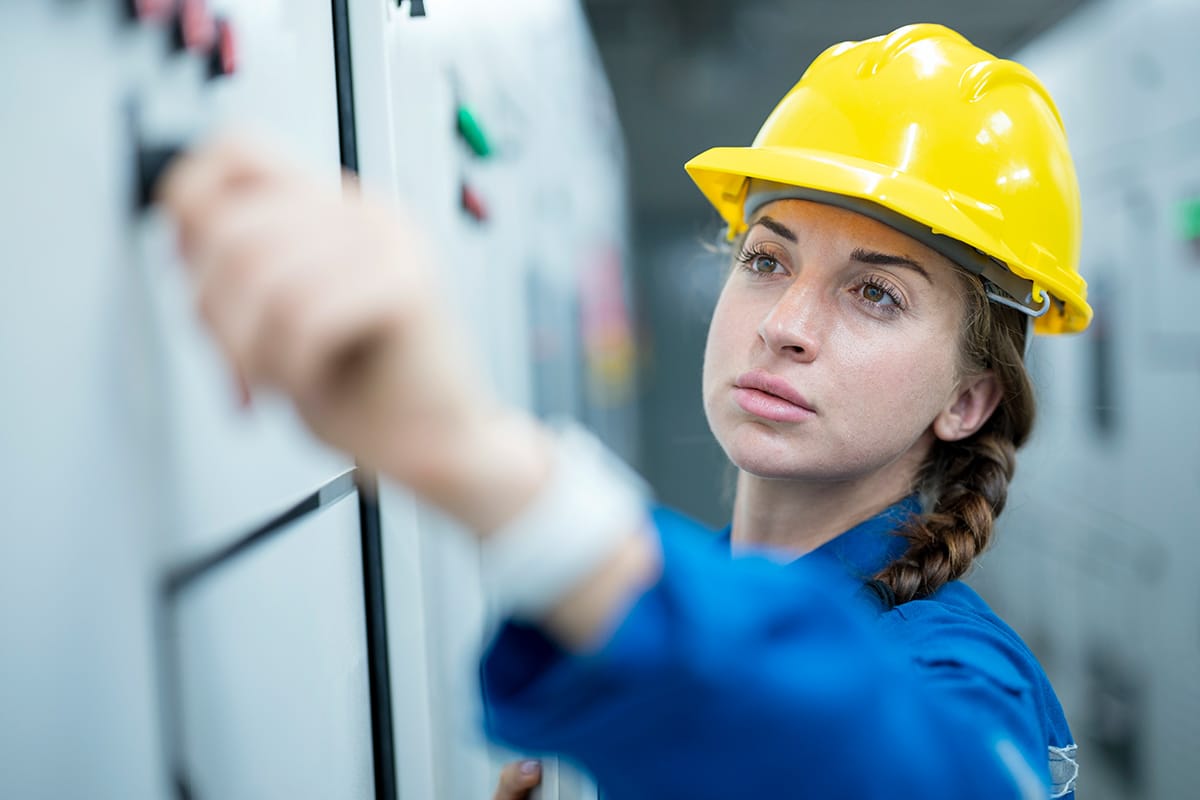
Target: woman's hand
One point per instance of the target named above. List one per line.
(324, 295)
(518, 780)
(318, 292)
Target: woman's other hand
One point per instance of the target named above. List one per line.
(319, 292)
(518, 780)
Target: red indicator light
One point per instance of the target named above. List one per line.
(195, 29)
(150, 10)
(223, 59)
(473, 204)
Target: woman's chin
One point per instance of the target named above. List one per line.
(770, 456)
(764, 451)
(764, 462)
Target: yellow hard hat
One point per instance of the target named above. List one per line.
(927, 133)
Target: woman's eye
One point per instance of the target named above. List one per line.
(878, 295)
(760, 261)
(764, 265)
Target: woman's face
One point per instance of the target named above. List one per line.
(833, 347)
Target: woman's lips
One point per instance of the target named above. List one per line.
(768, 396)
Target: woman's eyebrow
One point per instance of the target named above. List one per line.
(777, 227)
(887, 259)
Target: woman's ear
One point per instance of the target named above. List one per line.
(970, 408)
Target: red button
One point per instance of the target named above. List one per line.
(196, 31)
(150, 10)
(473, 204)
(223, 60)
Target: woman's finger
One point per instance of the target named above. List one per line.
(198, 183)
(518, 779)
(247, 250)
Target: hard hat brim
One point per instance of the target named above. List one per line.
(722, 174)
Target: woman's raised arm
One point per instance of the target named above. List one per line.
(327, 296)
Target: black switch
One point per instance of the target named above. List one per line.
(416, 8)
(152, 162)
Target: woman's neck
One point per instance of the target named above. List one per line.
(800, 516)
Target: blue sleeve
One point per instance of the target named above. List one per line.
(744, 678)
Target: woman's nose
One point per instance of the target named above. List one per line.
(792, 326)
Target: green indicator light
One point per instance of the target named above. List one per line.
(1189, 218)
(470, 129)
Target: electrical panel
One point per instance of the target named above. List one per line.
(198, 600)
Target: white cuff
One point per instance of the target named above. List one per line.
(590, 504)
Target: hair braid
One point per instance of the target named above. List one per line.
(968, 485)
(963, 485)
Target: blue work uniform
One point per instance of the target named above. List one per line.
(744, 677)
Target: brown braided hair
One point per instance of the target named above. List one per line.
(963, 485)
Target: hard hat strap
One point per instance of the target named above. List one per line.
(1003, 299)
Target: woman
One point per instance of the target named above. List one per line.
(903, 214)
